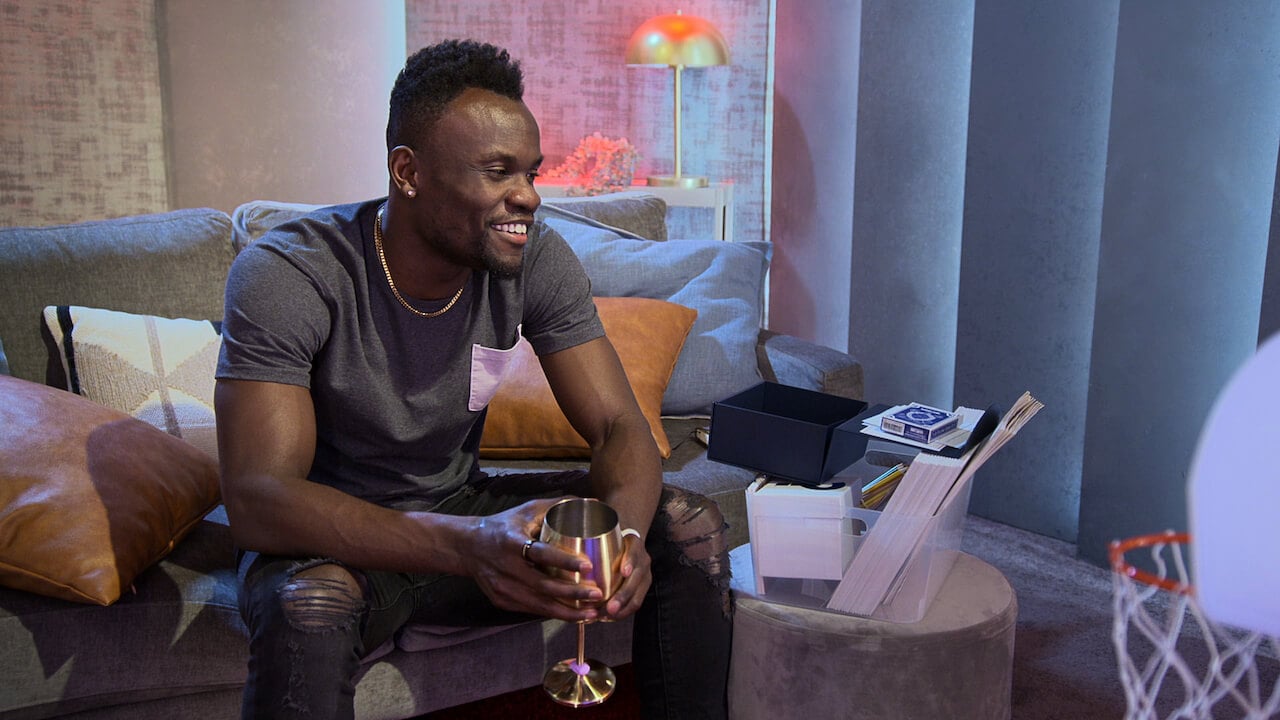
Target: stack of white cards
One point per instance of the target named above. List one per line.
(932, 483)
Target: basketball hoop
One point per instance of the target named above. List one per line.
(1215, 664)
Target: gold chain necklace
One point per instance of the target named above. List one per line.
(382, 258)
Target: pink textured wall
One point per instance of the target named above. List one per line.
(81, 117)
(282, 100)
(577, 83)
(83, 109)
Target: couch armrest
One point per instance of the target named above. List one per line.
(792, 361)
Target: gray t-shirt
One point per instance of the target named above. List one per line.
(399, 399)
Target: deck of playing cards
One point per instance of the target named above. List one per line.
(919, 422)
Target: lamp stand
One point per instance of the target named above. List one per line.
(677, 180)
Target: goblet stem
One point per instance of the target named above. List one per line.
(579, 682)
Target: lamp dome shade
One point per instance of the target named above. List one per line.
(677, 40)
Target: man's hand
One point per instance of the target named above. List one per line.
(517, 580)
(636, 578)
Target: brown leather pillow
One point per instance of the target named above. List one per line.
(524, 420)
(90, 497)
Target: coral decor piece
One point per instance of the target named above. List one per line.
(599, 165)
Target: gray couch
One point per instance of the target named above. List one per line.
(174, 645)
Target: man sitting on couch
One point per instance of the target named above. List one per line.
(361, 345)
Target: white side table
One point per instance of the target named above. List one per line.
(716, 196)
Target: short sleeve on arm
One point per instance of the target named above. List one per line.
(559, 312)
(276, 319)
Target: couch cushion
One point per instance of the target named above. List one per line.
(90, 497)
(178, 619)
(634, 213)
(524, 420)
(159, 370)
(171, 264)
(723, 281)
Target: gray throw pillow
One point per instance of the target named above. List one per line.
(723, 281)
(634, 212)
(253, 219)
(170, 264)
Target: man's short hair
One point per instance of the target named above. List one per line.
(435, 75)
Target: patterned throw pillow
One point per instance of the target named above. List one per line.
(159, 370)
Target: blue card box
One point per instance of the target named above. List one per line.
(786, 432)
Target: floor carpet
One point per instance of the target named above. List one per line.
(533, 704)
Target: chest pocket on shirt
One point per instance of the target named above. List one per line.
(490, 366)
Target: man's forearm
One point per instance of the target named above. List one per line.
(626, 473)
(297, 517)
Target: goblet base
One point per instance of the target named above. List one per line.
(569, 684)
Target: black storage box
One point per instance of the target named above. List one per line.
(786, 432)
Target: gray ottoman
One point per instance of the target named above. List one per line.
(955, 663)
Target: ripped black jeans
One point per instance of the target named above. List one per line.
(310, 621)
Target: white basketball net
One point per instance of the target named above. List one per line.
(1201, 670)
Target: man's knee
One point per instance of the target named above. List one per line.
(695, 525)
(322, 598)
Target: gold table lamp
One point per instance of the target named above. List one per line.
(678, 41)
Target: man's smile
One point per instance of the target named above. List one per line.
(517, 231)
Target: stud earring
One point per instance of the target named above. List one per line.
(410, 192)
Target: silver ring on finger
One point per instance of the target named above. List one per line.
(524, 550)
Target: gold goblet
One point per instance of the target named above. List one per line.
(587, 527)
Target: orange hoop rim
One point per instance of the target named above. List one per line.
(1119, 548)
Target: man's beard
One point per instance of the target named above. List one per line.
(483, 258)
(503, 267)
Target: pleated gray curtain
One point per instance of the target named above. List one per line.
(1072, 198)
(908, 195)
(1037, 156)
(1191, 167)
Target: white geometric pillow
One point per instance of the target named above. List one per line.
(159, 370)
